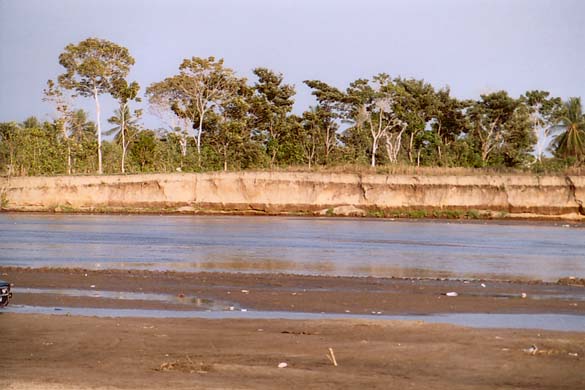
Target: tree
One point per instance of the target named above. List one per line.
(126, 125)
(542, 110)
(416, 104)
(570, 140)
(162, 97)
(376, 110)
(144, 150)
(229, 122)
(201, 85)
(55, 94)
(449, 123)
(271, 103)
(125, 131)
(319, 133)
(93, 66)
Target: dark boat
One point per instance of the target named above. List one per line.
(5, 294)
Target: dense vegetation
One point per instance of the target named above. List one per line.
(217, 120)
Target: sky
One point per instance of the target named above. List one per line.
(472, 46)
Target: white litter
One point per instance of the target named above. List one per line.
(282, 365)
(452, 294)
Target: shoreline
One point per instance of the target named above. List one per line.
(68, 351)
(297, 293)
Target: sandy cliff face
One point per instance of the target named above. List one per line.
(266, 192)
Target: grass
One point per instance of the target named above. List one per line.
(397, 169)
(421, 213)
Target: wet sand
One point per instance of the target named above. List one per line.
(71, 352)
(299, 293)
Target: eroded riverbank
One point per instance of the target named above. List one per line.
(444, 196)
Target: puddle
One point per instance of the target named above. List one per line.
(201, 303)
(564, 297)
(557, 322)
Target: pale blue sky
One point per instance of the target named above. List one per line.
(474, 46)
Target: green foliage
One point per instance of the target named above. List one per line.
(215, 120)
(570, 140)
(93, 67)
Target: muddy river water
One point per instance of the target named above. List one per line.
(325, 246)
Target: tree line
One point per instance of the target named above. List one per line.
(216, 120)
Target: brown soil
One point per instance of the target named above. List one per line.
(63, 352)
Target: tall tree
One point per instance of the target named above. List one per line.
(449, 123)
(271, 103)
(91, 69)
(201, 85)
(229, 123)
(489, 117)
(543, 110)
(319, 133)
(570, 140)
(125, 130)
(55, 94)
(126, 125)
(169, 105)
(376, 109)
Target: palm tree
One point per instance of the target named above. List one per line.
(570, 142)
(125, 130)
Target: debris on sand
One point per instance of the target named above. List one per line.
(451, 294)
(186, 365)
(571, 281)
(532, 350)
(331, 357)
(282, 365)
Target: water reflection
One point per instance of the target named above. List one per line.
(557, 322)
(202, 303)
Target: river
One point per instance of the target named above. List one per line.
(327, 246)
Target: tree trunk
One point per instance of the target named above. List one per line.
(68, 158)
(199, 140)
(374, 150)
(123, 129)
(410, 147)
(327, 145)
(225, 150)
(99, 130)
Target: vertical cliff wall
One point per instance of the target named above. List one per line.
(277, 192)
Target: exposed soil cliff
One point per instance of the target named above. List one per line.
(302, 193)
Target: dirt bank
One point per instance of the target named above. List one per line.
(303, 193)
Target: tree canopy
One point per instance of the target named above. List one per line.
(214, 119)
